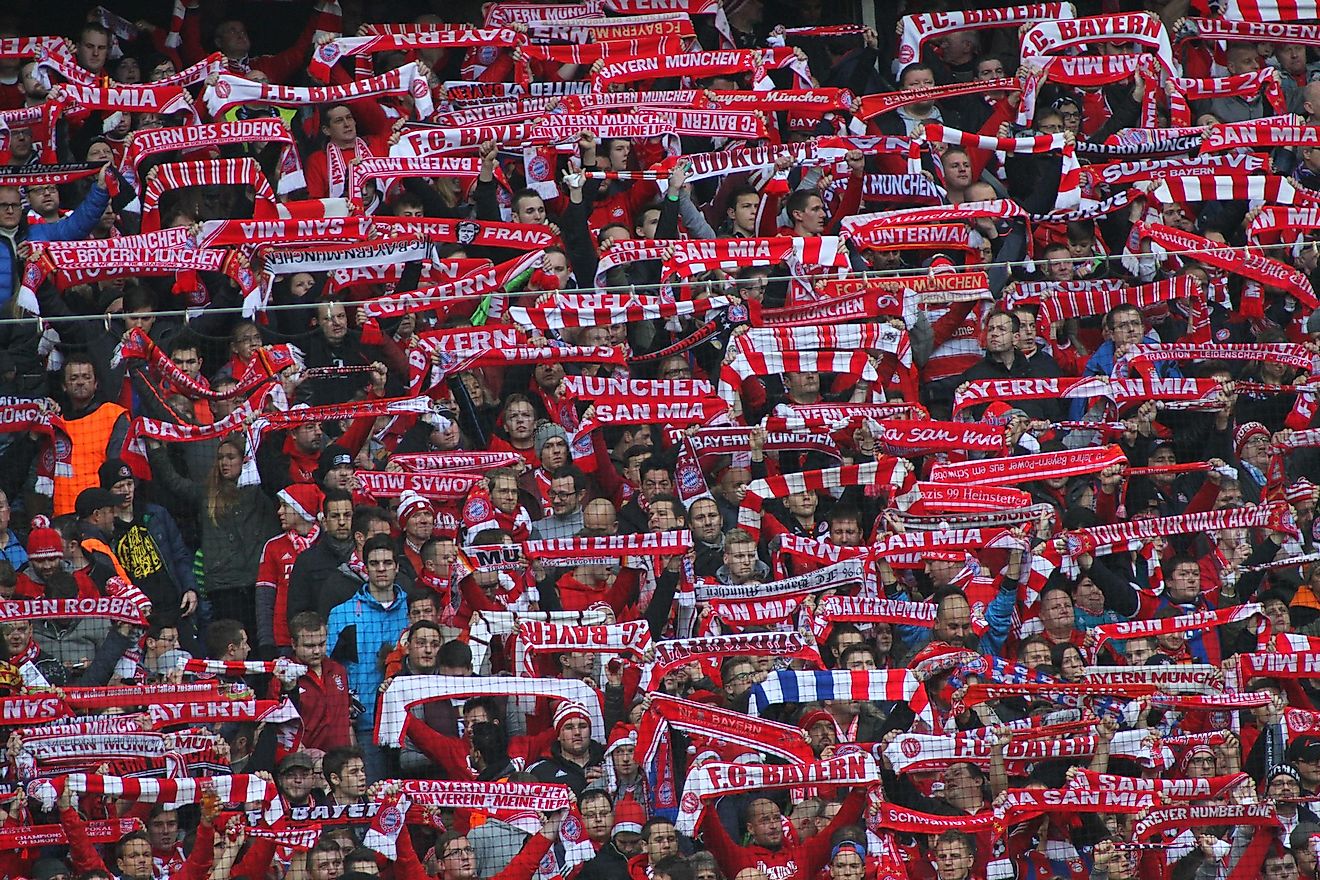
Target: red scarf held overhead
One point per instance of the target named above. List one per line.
(243, 171)
(1029, 468)
(1247, 86)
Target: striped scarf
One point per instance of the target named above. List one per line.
(407, 691)
(1069, 191)
(891, 472)
(240, 788)
(867, 685)
(563, 313)
(244, 171)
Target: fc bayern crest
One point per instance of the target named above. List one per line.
(572, 829)
(329, 53)
(487, 55)
(478, 510)
(538, 168)
(419, 88)
(691, 803)
(222, 88)
(911, 748)
(390, 820)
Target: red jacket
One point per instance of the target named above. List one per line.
(789, 862)
(84, 856)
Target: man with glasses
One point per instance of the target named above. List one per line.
(568, 486)
(16, 233)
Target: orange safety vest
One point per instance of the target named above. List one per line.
(89, 436)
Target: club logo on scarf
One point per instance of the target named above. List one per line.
(478, 510)
(419, 88)
(390, 820)
(222, 88)
(691, 803)
(467, 232)
(906, 55)
(538, 168)
(487, 55)
(739, 314)
(572, 828)
(911, 748)
(328, 52)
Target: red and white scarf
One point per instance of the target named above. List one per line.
(406, 691)
(162, 100)
(240, 788)
(129, 607)
(888, 472)
(1236, 31)
(151, 141)
(916, 29)
(535, 637)
(1276, 516)
(692, 257)
(54, 458)
(1172, 393)
(1028, 468)
(716, 778)
(1079, 300)
(487, 279)
(410, 38)
(229, 91)
(1196, 620)
(487, 797)
(1140, 357)
(470, 233)
(670, 654)
(1247, 86)
(914, 752)
(1273, 131)
(1058, 37)
(432, 486)
(701, 65)
(244, 171)
(166, 252)
(878, 105)
(1184, 816)
(285, 668)
(1232, 186)
(560, 315)
(1069, 190)
(392, 168)
(869, 609)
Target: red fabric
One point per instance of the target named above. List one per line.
(801, 860)
(26, 588)
(323, 702)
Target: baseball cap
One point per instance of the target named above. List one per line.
(93, 499)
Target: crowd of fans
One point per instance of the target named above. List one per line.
(661, 440)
